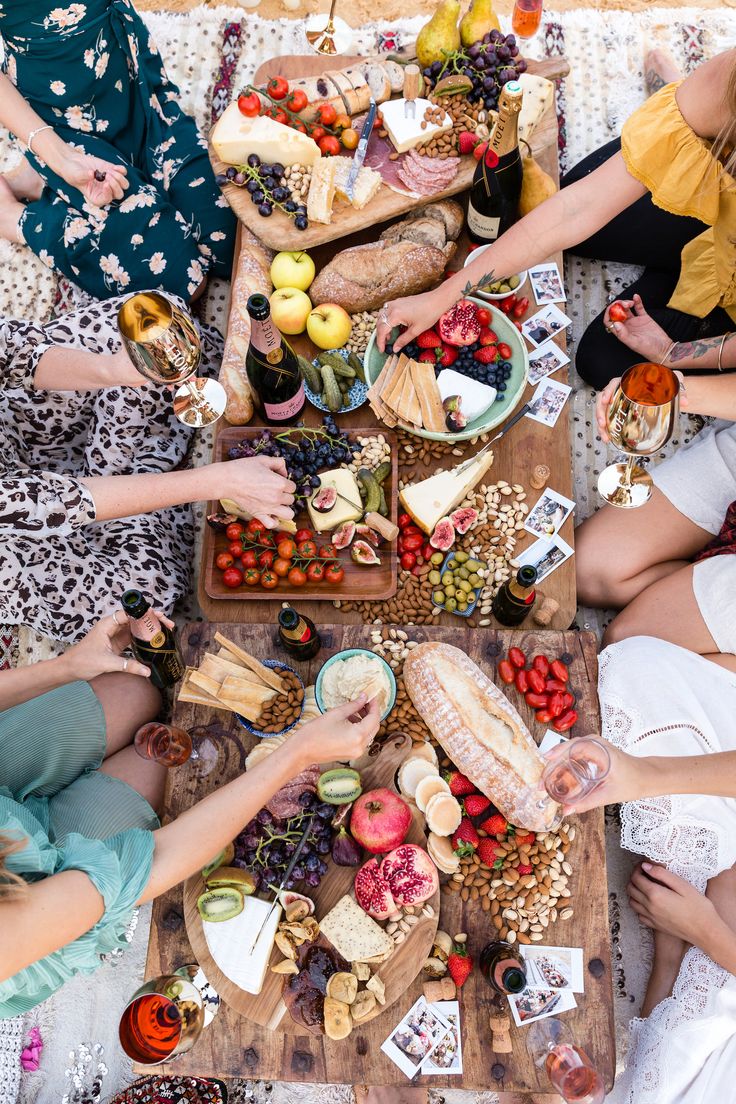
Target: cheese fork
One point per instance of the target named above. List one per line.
(412, 89)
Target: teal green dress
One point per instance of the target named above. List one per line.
(70, 816)
(92, 71)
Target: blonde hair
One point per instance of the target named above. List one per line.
(10, 883)
(724, 147)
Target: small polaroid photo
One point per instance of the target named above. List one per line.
(547, 402)
(447, 1057)
(546, 555)
(546, 360)
(537, 1004)
(554, 967)
(550, 740)
(416, 1037)
(547, 284)
(549, 514)
(544, 324)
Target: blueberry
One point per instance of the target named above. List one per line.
(254, 160)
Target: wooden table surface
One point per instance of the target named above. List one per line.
(529, 443)
(233, 1046)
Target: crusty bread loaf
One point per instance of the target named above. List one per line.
(481, 732)
(446, 211)
(364, 277)
(252, 275)
(437, 224)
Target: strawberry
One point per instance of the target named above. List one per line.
(459, 785)
(487, 336)
(466, 143)
(487, 355)
(529, 837)
(466, 839)
(482, 314)
(486, 851)
(428, 356)
(524, 868)
(496, 825)
(476, 804)
(448, 356)
(428, 340)
(459, 965)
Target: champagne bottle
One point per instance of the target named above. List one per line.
(496, 187)
(297, 634)
(272, 367)
(502, 967)
(154, 643)
(516, 597)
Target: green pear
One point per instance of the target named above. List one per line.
(479, 19)
(441, 35)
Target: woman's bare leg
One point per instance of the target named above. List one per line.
(10, 211)
(143, 775)
(667, 610)
(669, 952)
(24, 181)
(128, 701)
(721, 891)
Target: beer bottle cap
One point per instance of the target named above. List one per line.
(258, 307)
(134, 603)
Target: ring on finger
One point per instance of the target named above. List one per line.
(115, 618)
(125, 665)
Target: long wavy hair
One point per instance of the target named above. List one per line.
(724, 147)
(10, 884)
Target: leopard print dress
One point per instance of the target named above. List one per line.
(60, 570)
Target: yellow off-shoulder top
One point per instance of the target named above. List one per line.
(667, 157)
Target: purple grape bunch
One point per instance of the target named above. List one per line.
(489, 64)
(266, 845)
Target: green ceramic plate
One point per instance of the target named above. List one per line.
(499, 412)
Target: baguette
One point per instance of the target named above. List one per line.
(481, 732)
(251, 275)
(364, 277)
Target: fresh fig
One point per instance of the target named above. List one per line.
(324, 500)
(456, 422)
(443, 535)
(220, 522)
(460, 326)
(363, 553)
(345, 851)
(464, 518)
(340, 786)
(220, 904)
(367, 534)
(288, 897)
(343, 536)
(452, 403)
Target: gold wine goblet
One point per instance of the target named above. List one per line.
(334, 37)
(641, 419)
(163, 344)
(163, 1019)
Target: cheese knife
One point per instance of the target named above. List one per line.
(284, 880)
(362, 149)
(509, 425)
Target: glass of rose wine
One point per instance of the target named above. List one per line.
(571, 1072)
(164, 1018)
(526, 17)
(172, 747)
(583, 767)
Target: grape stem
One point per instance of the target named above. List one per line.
(254, 174)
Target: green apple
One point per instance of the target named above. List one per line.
(329, 326)
(290, 307)
(293, 270)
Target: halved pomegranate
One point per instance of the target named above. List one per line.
(410, 874)
(459, 325)
(373, 893)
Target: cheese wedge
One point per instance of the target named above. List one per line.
(405, 132)
(229, 940)
(353, 933)
(234, 137)
(348, 506)
(321, 191)
(367, 183)
(475, 397)
(539, 95)
(437, 496)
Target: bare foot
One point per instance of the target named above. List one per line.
(10, 212)
(669, 952)
(24, 181)
(660, 68)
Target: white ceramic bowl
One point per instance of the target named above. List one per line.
(489, 295)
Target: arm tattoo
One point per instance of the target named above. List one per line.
(693, 350)
(653, 81)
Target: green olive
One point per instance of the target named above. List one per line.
(450, 591)
(434, 578)
(475, 565)
(514, 282)
(447, 578)
(451, 605)
(463, 573)
(463, 584)
(475, 580)
(452, 564)
(462, 557)
(438, 596)
(437, 558)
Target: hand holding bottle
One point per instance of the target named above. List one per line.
(101, 650)
(260, 486)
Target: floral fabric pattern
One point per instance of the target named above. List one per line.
(92, 72)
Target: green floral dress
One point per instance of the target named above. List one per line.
(92, 71)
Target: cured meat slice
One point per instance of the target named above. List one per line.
(433, 166)
(285, 802)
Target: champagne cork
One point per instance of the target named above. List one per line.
(545, 610)
(501, 1029)
(439, 990)
(539, 477)
(413, 82)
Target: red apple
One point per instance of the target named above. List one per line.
(380, 820)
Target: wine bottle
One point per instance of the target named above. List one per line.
(496, 187)
(272, 367)
(502, 967)
(297, 634)
(515, 597)
(154, 643)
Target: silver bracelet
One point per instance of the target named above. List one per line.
(32, 135)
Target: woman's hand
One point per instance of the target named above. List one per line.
(101, 650)
(605, 396)
(416, 312)
(626, 781)
(664, 901)
(341, 734)
(260, 486)
(79, 170)
(639, 332)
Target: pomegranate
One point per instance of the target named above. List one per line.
(380, 820)
(410, 875)
(460, 325)
(373, 894)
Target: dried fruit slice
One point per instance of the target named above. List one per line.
(425, 751)
(343, 987)
(444, 943)
(361, 971)
(429, 786)
(363, 1006)
(375, 985)
(440, 849)
(296, 911)
(286, 945)
(287, 897)
(443, 814)
(285, 966)
(338, 1021)
(411, 774)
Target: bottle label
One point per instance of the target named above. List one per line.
(148, 629)
(483, 226)
(280, 411)
(265, 337)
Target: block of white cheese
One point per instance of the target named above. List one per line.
(228, 942)
(437, 496)
(475, 397)
(406, 132)
(235, 137)
(539, 95)
(348, 506)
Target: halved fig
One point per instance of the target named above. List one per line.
(343, 536)
(443, 535)
(324, 500)
(220, 522)
(367, 534)
(464, 518)
(362, 553)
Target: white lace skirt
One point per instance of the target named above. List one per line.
(658, 699)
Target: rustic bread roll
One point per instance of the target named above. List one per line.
(366, 276)
(394, 72)
(446, 211)
(481, 732)
(423, 231)
(252, 274)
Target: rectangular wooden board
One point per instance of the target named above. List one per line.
(371, 583)
(234, 1047)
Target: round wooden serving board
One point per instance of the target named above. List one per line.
(397, 972)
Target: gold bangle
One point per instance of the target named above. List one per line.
(668, 354)
(724, 339)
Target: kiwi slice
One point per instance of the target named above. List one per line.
(225, 856)
(339, 786)
(220, 904)
(232, 876)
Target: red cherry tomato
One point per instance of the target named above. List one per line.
(403, 521)
(536, 701)
(252, 577)
(428, 551)
(266, 558)
(541, 663)
(329, 145)
(483, 316)
(281, 534)
(506, 672)
(297, 577)
(255, 528)
(326, 114)
(520, 308)
(317, 132)
(267, 539)
(236, 550)
(277, 87)
(233, 577)
(413, 529)
(224, 561)
(536, 681)
(556, 704)
(334, 573)
(307, 549)
(408, 561)
(617, 312)
(521, 681)
(565, 722)
(286, 549)
(517, 657)
(327, 552)
(316, 572)
(269, 580)
(281, 117)
(234, 530)
(518, 326)
(568, 700)
(543, 716)
(342, 122)
(553, 685)
(249, 558)
(249, 104)
(297, 101)
(558, 670)
(504, 350)
(412, 542)
(302, 535)
(506, 304)
(281, 567)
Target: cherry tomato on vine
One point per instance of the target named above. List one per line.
(266, 558)
(297, 101)
(252, 577)
(286, 549)
(249, 104)
(506, 672)
(302, 535)
(281, 534)
(327, 552)
(236, 550)
(233, 577)
(277, 87)
(249, 558)
(342, 122)
(281, 567)
(315, 572)
(234, 530)
(350, 138)
(255, 528)
(327, 114)
(269, 580)
(297, 577)
(334, 573)
(224, 561)
(329, 145)
(281, 117)
(517, 657)
(317, 132)
(307, 549)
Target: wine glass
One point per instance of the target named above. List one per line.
(333, 37)
(551, 1045)
(172, 747)
(164, 1018)
(526, 17)
(641, 420)
(163, 344)
(580, 770)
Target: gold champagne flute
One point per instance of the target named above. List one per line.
(332, 38)
(641, 419)
(163, 344)
(164, 1018)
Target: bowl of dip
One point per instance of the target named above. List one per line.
(352, 672)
